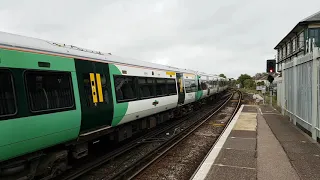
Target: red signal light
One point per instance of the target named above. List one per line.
(271, 70)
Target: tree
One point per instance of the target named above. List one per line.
(261, 83)
(242, 78)
(249, 84)
(258, 75)
(222, 75)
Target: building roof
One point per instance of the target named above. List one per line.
(300, 26)
(265, 77)
(313, 17)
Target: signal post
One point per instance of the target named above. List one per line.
(271, 68)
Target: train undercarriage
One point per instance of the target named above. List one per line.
(51, 162)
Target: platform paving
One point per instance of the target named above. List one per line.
(237, 158)
(264, 145)
(272, 161)
(302, 151)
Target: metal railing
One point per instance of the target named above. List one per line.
(298, 92)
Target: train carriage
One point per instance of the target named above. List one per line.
(56, 98)
(214, 86)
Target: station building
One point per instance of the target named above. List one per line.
(295, 43)
(298, 62)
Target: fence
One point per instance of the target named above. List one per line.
(298, 92)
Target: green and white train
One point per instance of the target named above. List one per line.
(55, 99)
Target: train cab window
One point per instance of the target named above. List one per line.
(161, 87)
(146, 87)
(125, 88)
(49, 90)
(190, 85)
(7, 95)
(172, 88)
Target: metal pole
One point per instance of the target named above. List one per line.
(270, 96)
(295, 90)
(314, 91)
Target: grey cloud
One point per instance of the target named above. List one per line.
(230, 37)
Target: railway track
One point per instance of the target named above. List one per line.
(158, 163)
(152, 136)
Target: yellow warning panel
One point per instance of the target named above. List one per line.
(99, 87)
(170, 73)
(189, 75)
(181, 85)
(246, 122)
(218, 124)
(93, 88)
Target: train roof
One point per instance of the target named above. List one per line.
(10, 40)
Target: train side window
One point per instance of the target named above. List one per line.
(87, 90)
(49, 90)
(211, 84)
(146, 87)
(190, 85)
(172, 88)
(7, 95)
(215, 83)
(104, 89)
(125, 88)
(204, 85)
(161, 87)
(193, 86)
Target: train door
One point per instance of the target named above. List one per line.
(181, 93)
(95, 94)
(208, 85)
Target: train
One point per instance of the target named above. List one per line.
(55, 99)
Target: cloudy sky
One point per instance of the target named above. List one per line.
(214, 36)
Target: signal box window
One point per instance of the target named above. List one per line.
(125, 88)
(49, 90)
(161, 87)
(146, 87)
(315, 33)
(172, 90)
(7, 95)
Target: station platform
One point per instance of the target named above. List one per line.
(260, 143)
